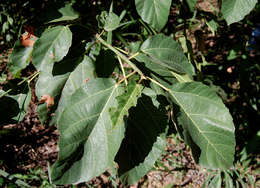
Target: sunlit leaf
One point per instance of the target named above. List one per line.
(88, 141)
(167, 53)
(83, 73)
(51, 47)
(207, 124)
(125, 101)
(19, 58)
(154, 12)
(112, 22)
(235, 10)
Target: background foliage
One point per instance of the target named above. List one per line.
(225, 59)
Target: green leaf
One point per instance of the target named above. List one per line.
(191, 4)
(216, 181)
(3, 78)
(43, 112)
(207, 124)
(166, 53)
(228, 180)
(235, 10)
(83, 73)
(19, 58)
(125, 101)
(154, 12)
(213, 26)
(66, 13)
(88, 141)
(49, 84)
(5, 27)
(144, 141)
(112, 22)
(14, 104)
(181, 78)
(51, 47)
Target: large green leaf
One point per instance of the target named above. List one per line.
(145, 139)
(51, 47)
(88, 141)
(14, 104)
(51, 82)
(166, 54)
(157, 72)
(154, 12)
(48, 84)
(84, 73)
(19, 58)
(207, 124)
(236, 10)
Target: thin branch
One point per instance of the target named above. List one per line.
(122, 56)
(30, 78)
(132, 73)
(157, 83)
(123, 70)
(123, 51)
(134, 55)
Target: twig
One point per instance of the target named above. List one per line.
(120, 81)
(30, 78)
(122, 56)
(123, 70)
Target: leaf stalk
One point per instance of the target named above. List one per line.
(122, 56)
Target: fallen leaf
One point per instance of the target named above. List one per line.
(29, 29)
(48, 100)
(230, 69)
(28, 38)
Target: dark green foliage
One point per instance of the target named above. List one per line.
(101, 76)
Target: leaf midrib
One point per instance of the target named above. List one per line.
(95, 115)
(197, 127)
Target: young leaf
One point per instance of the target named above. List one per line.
(145, 139)
(88, 141)
(207, 124)
(166, 53)
(235, 10)
(154, 12)
(51, 47)
(19, 58)
(125, 101)
(112, 22)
